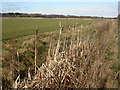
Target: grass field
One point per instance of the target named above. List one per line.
(13, 27)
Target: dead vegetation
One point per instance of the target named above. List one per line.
(81, 57)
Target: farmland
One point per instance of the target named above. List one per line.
(13, 27)
(76, 53)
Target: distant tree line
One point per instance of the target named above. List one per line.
(43, 15)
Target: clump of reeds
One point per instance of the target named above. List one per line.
(76, 62)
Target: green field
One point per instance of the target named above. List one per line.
(13, 27)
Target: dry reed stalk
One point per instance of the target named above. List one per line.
(29, 75)
(49, 50)
(17, 82)
(18, 55)
(58, 44)
(60, 27)
(36, 35)
(64, 43)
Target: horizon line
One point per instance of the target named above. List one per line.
(63, 14)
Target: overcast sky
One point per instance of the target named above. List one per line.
(106, 8)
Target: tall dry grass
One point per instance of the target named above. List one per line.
(79, 59)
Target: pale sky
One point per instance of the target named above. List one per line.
(59, 0)
(106, 8)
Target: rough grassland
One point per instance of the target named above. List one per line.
(90, 51)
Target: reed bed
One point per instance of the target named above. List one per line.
(77, 60)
